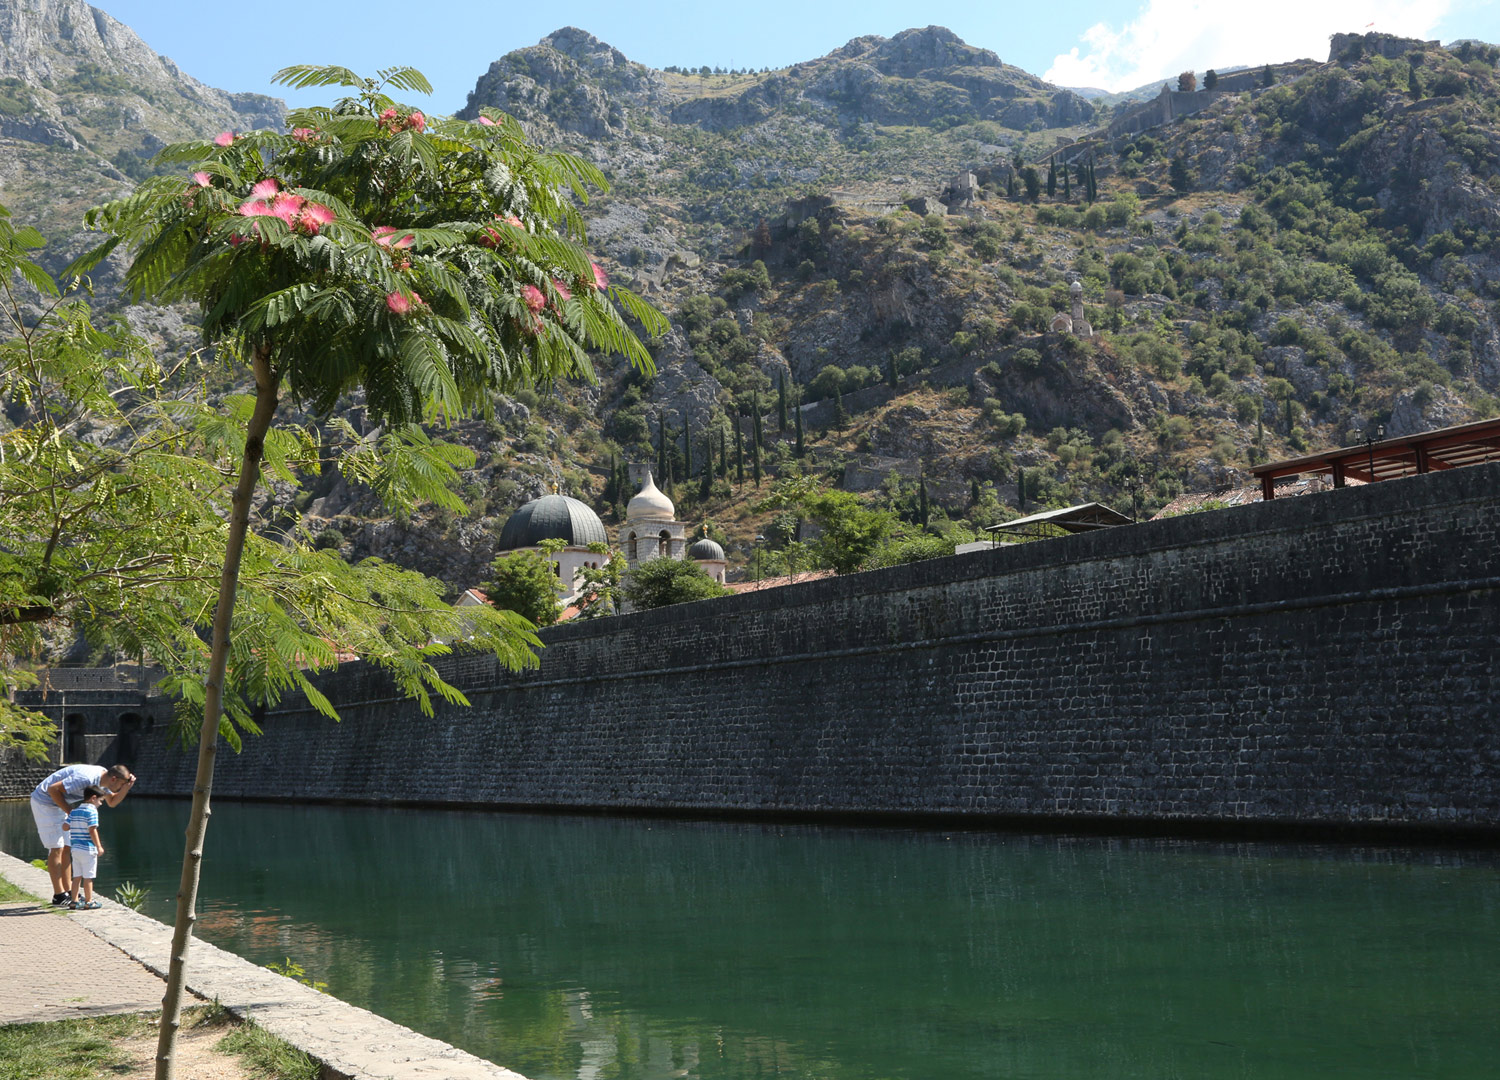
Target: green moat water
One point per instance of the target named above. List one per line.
(610, 949)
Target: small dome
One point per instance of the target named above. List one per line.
(649, 502)
(1076, 288)
(552, 517)
(705, 550)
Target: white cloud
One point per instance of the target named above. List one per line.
(1170, 36)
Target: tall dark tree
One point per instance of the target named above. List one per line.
(840, 417)
(1051, 178)
(1210, 79)
(723, 456)
(892, 375)
(739, 454)
(1182, 180)
(801, 449)
(661, 448)
(781, 403)
(755, 436)
(1033, 181)
(1266, 78)
(706, 488)
(1010, 184)
(923, 510)
(1067, 184)
(611, 493)
(974, 491)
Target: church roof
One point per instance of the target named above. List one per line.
(552, 517)
(649, 502)
(705, 549)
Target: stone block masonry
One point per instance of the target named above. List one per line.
(1323, 661)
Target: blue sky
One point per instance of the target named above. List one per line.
(1113, 45)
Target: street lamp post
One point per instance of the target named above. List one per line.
(760, 541)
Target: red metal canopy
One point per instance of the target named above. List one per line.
(1388, 459)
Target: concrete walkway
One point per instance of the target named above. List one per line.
(352, 1043)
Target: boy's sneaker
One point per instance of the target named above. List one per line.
(61, 899)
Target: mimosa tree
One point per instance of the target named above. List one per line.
(427, 262)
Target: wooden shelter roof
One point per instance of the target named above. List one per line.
(1388, 459)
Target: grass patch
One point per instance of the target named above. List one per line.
(9, 894)
(82, 1049)
(267, 1057)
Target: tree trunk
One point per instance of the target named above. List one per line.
(213, 707)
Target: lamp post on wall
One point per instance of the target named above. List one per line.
(760, 541)
(1371, 434)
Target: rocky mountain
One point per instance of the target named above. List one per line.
(885, 234)
(84, 103)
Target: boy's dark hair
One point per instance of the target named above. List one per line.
(92, 790)
(119, 772)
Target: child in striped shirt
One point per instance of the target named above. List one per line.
(83, 835)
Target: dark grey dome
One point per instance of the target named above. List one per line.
(552, 517)
(705, 549)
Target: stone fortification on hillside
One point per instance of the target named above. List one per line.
(1325, 661)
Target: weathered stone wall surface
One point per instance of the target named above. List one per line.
(1325, 660)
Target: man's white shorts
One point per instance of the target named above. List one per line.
(85, 862)
(51, 824)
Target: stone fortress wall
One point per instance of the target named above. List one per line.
(1328, 661)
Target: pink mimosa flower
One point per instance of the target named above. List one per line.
(302, 134)
(265, 189)
(416, 120)
(314, 217)
(255, 208)
(398, 303)
(224, 138)
(389, 114)
(562, 290)
(202, 179)
(601, 280)
(533, 298)
(383, 234)
(487, 122)
(514, 222)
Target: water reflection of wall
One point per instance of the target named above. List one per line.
(1324, 660)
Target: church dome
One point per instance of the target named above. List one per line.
(552, 517)
(705, 550)
(649, 502)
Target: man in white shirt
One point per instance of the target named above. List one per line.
(54, 798)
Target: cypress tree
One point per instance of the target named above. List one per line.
(706, 488)
(1010, 185)
(801, 449)
(1067, 185)
(755, 436)
(661, 448)
(723, 456)
(1266, 78)
(892, 376)
(840, 417)
(612, 484)
(1051, 179)
(781, 403)
(922, 507)
(739, 454)
(974, 493)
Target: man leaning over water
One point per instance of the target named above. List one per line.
(51, 802)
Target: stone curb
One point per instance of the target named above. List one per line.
(350, 1042)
